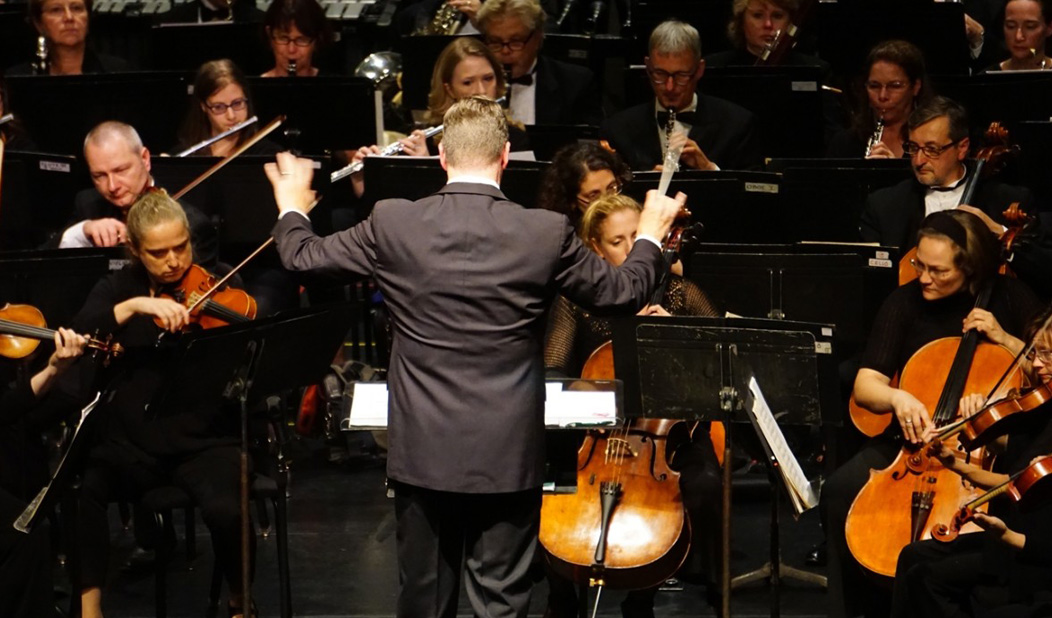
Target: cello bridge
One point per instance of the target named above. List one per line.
(619, 447)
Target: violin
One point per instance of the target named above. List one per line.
(22, 328)
(1016, 487)
(211, 305)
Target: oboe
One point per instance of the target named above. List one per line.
(40, 66)
(874, 139)
(290, 69)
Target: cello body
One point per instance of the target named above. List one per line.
(648, 535)
(888, 514)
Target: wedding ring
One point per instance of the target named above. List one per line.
(284, 173)
(909, 421)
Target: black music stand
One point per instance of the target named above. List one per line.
(37, 194)
(186, 46)
(322, 114)
(56, 281)
(245, 363)
(1008, 97)
(699, 368)
(58, 111)
(547, 139)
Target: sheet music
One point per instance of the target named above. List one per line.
(801, 492)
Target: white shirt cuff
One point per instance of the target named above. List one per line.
(285, 212)
(649, 238)
(74, 237)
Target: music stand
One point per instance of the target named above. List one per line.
(698, 368)
(59, 110)
(1008, 97)
(322, 114)
(37, 195)
(185, 47)
(547, 139)
(245, 363)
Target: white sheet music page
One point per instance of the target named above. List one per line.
(368, 407)
(800, 489)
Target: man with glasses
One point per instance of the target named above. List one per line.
(120, 169)
(542, 90)
(719, 134)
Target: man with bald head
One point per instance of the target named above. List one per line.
(119, 165)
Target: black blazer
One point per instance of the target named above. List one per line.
(724, 131)
(89, 204)
(468, 277)
(893, 215)
(566, 94)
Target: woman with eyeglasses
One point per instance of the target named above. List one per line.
(608, 227)
(295, 29)
(1027, 27)
(957, 256)
(1007, 569)
(220, 101)
(579, 174)
(64, 26)
(895, 82)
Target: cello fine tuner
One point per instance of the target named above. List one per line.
(596, 582)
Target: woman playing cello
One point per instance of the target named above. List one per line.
(194, 448)
(608, 226)
(1011, 563)
(956, 258)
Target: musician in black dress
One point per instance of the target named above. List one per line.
(1006, 570)
(26, 562)
(133, 450)
(64, 26)
(956, 258)
(608, 227)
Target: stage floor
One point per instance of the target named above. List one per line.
(342, 552)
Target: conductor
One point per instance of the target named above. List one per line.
(468, 277)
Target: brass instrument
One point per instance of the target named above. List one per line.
(874, 139)
(40, 65)
(446, 21)
(290, 69)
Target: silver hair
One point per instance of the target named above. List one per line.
(675, 37)
(529, 12)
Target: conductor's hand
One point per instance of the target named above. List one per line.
(911, 414)
(290, 176)
(105, 232)
(659, 211)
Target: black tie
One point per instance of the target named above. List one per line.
(522, 80)
(684, 117)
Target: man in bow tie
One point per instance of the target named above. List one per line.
(542, 90)
(714, 133)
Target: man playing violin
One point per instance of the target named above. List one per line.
(120, 169)
(468, 278)
(956, 258)
(1011, 563)
(25, 559)
(938, 145)
(195, 449)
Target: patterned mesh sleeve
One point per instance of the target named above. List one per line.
(560, 339)
(684, 297)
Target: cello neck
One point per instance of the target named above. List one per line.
(962, 363)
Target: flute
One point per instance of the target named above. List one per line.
(6, 118)
(392, 150)
(212, 140)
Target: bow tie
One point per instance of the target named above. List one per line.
(684, 117)
(209, 14)
(944, 189)
(522, 80)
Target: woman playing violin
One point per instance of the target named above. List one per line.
(956, 258)
(608, 227)
(1011, 562)
(193, 448)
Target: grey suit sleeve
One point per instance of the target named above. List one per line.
(588, 281)
(350, 252)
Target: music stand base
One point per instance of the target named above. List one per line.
(765, 572)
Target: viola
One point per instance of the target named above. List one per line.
(22, 328)
(996, 419)
(1017, 487)
(210, 303)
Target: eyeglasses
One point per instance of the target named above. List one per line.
(1043, 354)
(932, 152)
(890, 86)
(300, 41)
(934, 273)
(613, 188)
(661, 77)
(514, 44)
(218, 109)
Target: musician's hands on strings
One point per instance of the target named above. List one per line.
(105, 232)
(172, 315)
(659, 211)
(69, 346)
(911, 414)
(985, 322)
(291, 176)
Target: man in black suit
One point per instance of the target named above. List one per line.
(120, 169)
(715, 133)
(468, 277)
(542, 90)
(938, 144)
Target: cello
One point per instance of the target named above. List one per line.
(905, 501)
